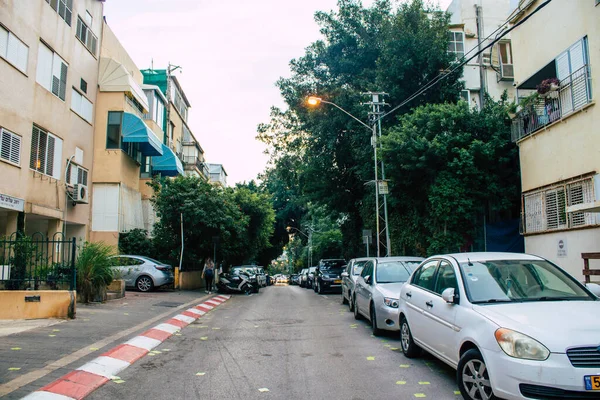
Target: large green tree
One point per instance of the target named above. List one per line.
(380, 48)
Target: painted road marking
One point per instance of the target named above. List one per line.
(104, 366)
(144, 342)
(167, 328)
(46, 396)
(185, 318)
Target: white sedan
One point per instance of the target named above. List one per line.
(513, 325)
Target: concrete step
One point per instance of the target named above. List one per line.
(113, 295)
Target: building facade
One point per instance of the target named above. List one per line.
(557, 54)
(218, 176)
(49, 54)
(493, 74)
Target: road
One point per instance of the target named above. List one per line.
(284, 343)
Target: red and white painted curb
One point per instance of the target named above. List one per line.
(87, 378)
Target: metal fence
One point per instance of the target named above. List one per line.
(37, 262)
(573, 93)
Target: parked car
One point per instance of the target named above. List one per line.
(328, 275)
(303, 277)
(261, 276)
(250, 271)
(294, 279)
(310, 275)
(377, 290)
(513, 325)
(349, 276)
(282, 280)
(143, 273)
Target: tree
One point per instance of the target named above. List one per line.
(448, 165)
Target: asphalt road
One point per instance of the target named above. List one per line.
(284, 343)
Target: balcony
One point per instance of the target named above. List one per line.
(572, 94)
(190, 162)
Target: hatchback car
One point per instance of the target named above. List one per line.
(377, 290)
(512, 325)
(349, 276)
(143, 273)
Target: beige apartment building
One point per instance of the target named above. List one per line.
(49, 52)
(472, 20)
(557, 73)
(129, 145)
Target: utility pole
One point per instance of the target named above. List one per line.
(170, 68)
(377, 103)
(482, 80)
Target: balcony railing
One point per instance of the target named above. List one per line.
(193, 161)
(573, 93)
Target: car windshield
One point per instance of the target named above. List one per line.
(391, 272)
(332, 264)
(519, 281)
(412, 265)
(311, 270)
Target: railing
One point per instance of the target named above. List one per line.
(587, 272)
(573, 93)
(37, 263)
(194, 161)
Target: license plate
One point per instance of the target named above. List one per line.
(592, 382)
(337, 281)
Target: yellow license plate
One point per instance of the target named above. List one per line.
(592, 382)
(338, 281)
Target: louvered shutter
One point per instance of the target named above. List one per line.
(563, 72)
(69, 12)
(22, 57)
(35, 146)
(63, 81)
(68, 174)
(15, 149)
(42, 152)
(44, 67)
(49, 170)
(57, 158)
(4, 145)
(3, 41)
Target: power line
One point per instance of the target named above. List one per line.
(465, 60)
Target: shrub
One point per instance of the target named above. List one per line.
(136, 242)
(94, 273)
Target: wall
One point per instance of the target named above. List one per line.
(190, 280)
(53, 304)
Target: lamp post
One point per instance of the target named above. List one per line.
(315, 101)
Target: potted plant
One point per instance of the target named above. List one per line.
(512, 110)
(548, 85)
(529, 101)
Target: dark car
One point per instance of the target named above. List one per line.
(310, 275)
(328, 275)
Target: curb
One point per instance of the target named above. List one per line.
(84, 380)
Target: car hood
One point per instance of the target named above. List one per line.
(556, 324)
(390, 289)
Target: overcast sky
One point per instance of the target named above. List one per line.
(231, 52)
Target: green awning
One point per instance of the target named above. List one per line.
(168, 164)
(135, 130)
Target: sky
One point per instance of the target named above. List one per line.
(231, 53)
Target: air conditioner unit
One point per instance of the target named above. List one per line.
(81, 194)
(507, 72)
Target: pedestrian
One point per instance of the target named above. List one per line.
(208, 273)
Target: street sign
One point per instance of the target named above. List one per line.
(367, 236)
(383, 187)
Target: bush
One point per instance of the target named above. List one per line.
(136, 242)
(94, 273)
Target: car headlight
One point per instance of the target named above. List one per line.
(390, 302)
(518, 345)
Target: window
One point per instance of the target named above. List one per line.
(446, 278)
(146, 169)
(81, 105)
(77, 175)
(358, 267)
(10, 147)
(105, 207)
(52, 72)
(46, 152)
(424, 276)
(64, 8)
(113, 134)
(13, 50)
(179, 102)
(545, 210)
(83, 86)
(506, 62)
(159, 111)
(88, 18)
(572, 71)
(367, 270)
(466, 96)
(455, 44)
(87, 37)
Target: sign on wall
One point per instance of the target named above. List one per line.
(561, 248)
(12, 203)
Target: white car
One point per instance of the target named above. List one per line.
(513, 325)
(349, 277)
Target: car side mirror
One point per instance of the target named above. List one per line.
(344, 274)
(594, 288)
(368, 279)
(450, 296)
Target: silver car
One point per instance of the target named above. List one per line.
(349, 276)
(377, 290)
(143, 273)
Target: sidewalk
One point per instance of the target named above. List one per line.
(33, 358)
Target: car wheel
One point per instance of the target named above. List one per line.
(144, 283)
(376, 330)
(356, 313)
(247, 290)
(473, 378)
(350, 303)
(409, 347)
(256, 289)
(319, 288)
(344, 299)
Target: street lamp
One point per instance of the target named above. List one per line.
(315, 101)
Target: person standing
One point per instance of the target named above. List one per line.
(208, 273)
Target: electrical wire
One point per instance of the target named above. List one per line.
(442, 76)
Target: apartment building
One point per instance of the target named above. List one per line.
(470, 21)
(557, 59)
(49, 52)
(128, 145)
(218, 176)
(179, 137)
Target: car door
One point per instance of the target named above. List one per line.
(126, 270)
(346, 277)
(440, 333)
(362, 289)
(415, 294)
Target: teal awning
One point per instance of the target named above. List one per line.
(168, 164)
(135, 130)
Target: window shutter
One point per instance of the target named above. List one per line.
(562, 66)
(83, 86)
(63, 81)
(3, 41)
(577, 56)
(11, 147)
(49, 170)
(12, 52)
(44, 67)
(94, 44)
(22, 57)
(35, 145)
(4, 144)
(56, 158)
